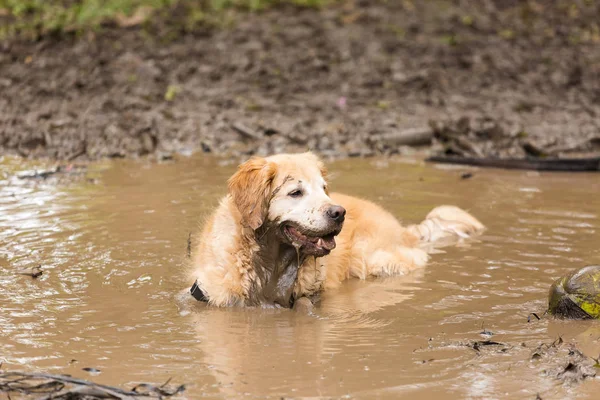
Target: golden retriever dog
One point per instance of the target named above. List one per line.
(279, 236)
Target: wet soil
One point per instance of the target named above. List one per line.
(514, 79)
(112, 304)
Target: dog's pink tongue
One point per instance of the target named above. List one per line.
(326, 243)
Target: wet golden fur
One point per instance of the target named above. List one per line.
(372, 242)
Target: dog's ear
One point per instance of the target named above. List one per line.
(250, 189)
(323, 170)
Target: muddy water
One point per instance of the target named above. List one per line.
(113, 252)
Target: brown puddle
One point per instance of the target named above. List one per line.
(110, 296)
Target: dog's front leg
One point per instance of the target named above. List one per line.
(303, 305)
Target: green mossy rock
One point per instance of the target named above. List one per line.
(577, 294)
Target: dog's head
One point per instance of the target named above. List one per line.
(288, 192)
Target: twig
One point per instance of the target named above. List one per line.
(534, 314)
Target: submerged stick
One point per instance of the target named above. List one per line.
(55, 387)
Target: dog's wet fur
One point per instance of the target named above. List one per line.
(279, 236)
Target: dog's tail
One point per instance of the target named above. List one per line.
(446, 225)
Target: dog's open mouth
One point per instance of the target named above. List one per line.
(311, 244)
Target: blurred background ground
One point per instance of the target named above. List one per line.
(87, 79)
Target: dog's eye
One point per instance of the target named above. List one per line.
(295, 193)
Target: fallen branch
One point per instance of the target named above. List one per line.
(67, 387)
(569, 164)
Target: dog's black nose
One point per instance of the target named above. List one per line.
(336, 213)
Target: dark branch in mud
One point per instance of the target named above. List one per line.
(67, 387)
(571, 165)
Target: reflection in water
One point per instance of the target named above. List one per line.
(111, 295)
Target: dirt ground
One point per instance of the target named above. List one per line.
(508, 78)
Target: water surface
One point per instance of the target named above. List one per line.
(113, 251)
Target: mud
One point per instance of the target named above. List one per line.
(113, 305)
(359, 78)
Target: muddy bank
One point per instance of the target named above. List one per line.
(360, 78)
